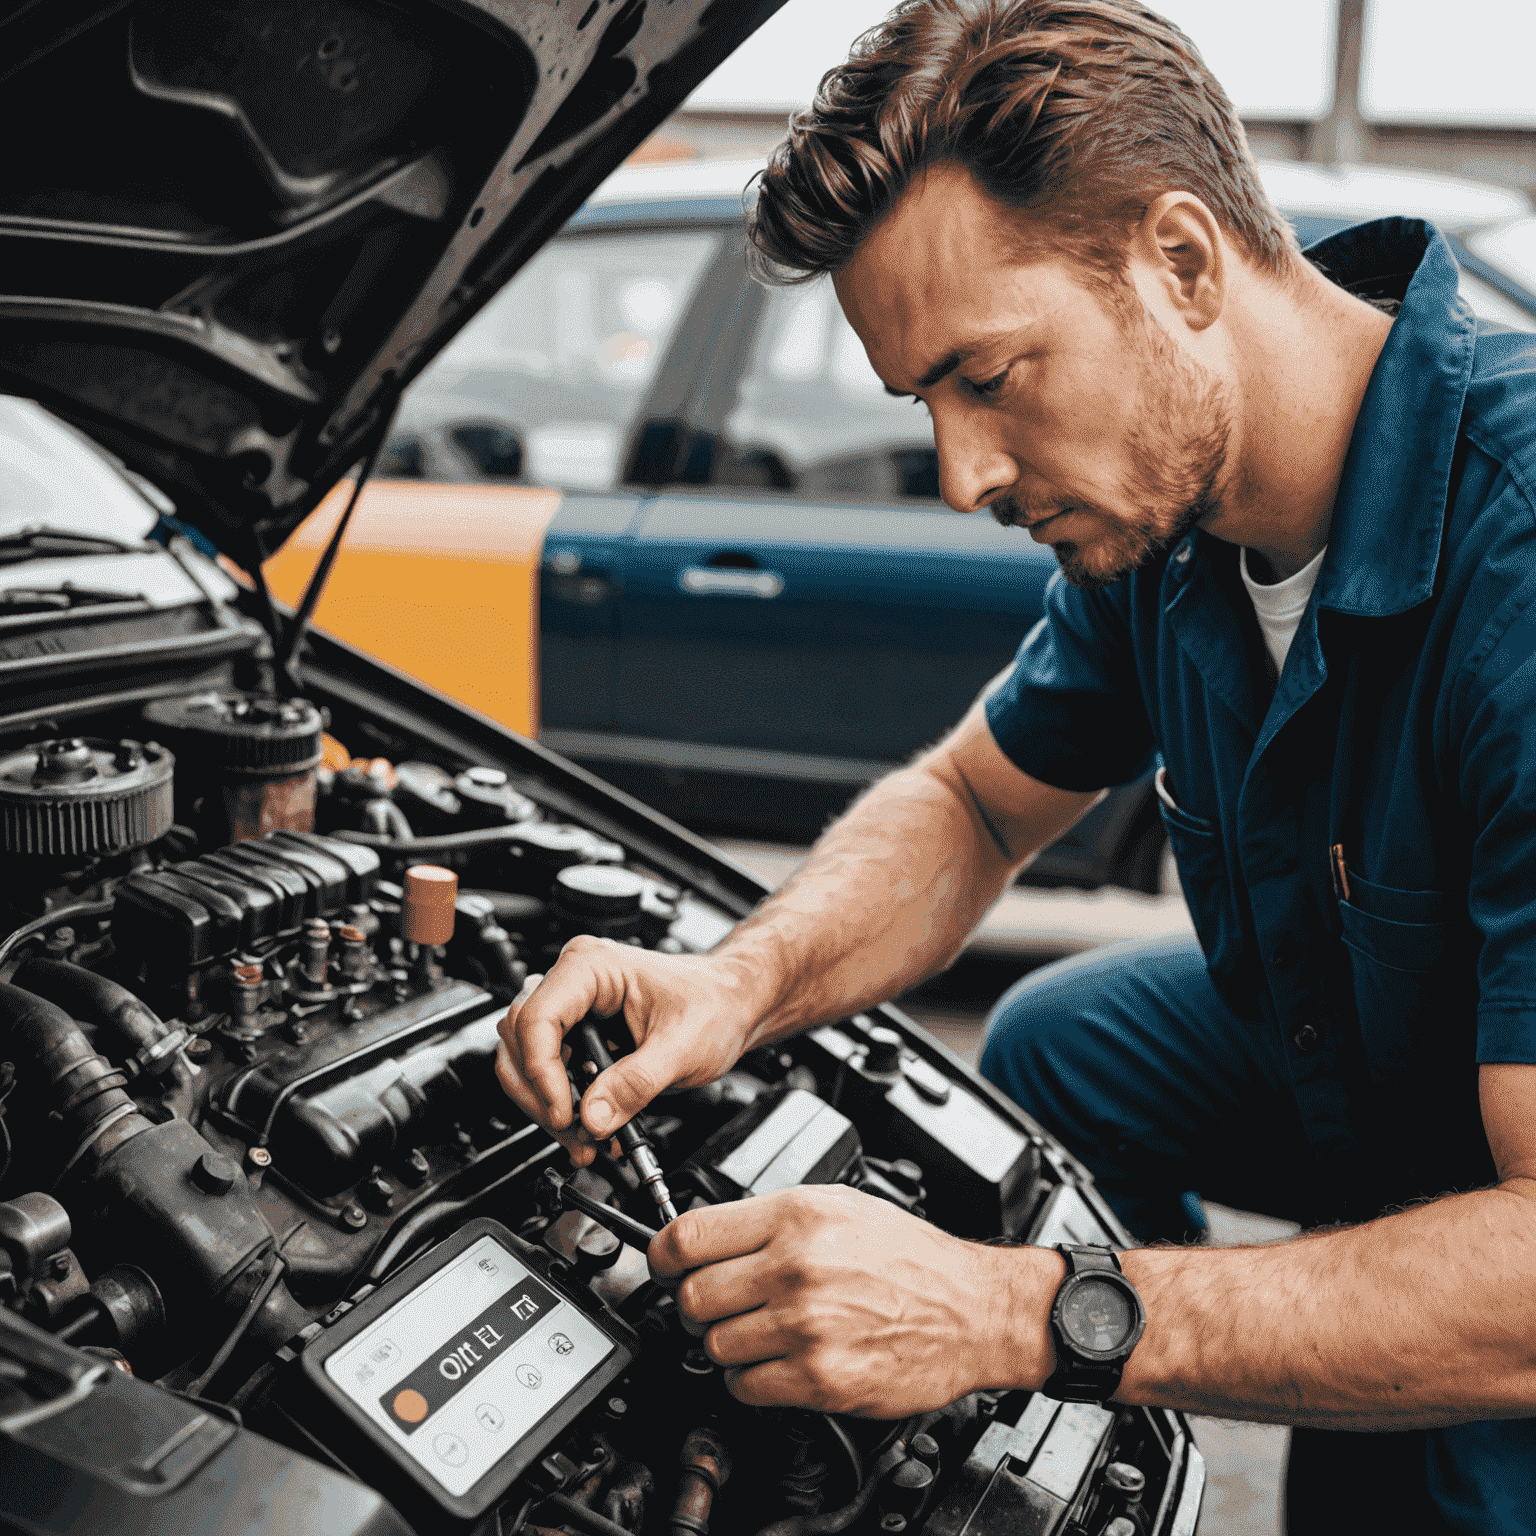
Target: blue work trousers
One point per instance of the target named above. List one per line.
(1130, 1058)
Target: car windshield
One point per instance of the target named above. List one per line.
(52, 478)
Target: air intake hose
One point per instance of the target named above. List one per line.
(89, 996)
(86, 1089)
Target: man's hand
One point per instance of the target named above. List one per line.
(887, 897)
(689, 1016)
(830, 1299)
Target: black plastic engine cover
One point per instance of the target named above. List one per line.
(84, 1447)
(783, 1140)
(239, 898)
(329, 1112)
(988, 1169)
(148, 1210)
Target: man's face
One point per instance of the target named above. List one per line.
(1056, 408)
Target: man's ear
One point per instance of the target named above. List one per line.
(1179, 261)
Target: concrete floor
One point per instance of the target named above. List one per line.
(1246, 1462)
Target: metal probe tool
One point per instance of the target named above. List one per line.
(562, 1194)
(630, 1137)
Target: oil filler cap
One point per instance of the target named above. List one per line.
(427, 913)
(884, 1052)
(599, 890)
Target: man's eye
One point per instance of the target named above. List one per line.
(991, 386)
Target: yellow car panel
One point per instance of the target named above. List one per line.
(440, 581)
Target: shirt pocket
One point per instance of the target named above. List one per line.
(1197, 850)
(1403, 967)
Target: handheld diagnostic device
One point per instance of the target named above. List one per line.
(460, 1372)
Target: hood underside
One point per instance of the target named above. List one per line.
(231, 231)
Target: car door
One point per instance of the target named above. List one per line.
(814, 598)
(852, 632)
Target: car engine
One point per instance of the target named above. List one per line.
(265, 1214)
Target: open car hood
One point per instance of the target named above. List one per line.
(232, 231)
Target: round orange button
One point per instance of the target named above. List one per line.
(410, 1405)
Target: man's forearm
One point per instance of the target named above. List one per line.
(888, 896)
(1423, 1318)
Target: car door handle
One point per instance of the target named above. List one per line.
(712, 581)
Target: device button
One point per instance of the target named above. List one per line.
(489, 1416)
(451, 1449)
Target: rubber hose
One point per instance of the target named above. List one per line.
(93, 998)
(386, 819)
(585, 1519)
(109, 1005)
(498, 954)
(86, 1088)
(330, 1267)
(423, 850)
(508, 908)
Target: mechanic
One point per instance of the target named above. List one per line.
(1292, 499)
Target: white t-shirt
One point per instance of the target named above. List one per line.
(1280, 605)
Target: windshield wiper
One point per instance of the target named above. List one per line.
(28, 607)
(58, 543)
(57, 599)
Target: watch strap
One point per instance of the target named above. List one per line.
(1086, 1258)
(1076, 1379)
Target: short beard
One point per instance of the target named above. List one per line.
(1179, 450)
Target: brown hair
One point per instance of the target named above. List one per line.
(1076, 112)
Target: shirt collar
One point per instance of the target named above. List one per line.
(1384, 537)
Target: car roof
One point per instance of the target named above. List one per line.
(663, 180)
(702, 190)
(1360, 192)
(715, 188)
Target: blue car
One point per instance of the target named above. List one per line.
(752, 600)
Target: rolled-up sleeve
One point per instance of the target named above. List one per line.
(1070, 712)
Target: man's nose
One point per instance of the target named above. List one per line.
(974, 468)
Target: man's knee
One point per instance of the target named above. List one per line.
(1030, 1032)
(1087, 1019)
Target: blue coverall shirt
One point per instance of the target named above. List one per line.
(1357, 840)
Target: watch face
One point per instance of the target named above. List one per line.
(1097, 1315)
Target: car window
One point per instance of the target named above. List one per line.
(544, 383)
(812, 416)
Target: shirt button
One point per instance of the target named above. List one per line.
(1182, 553)
(1305, 1039)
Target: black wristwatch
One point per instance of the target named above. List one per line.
(1096, 1319)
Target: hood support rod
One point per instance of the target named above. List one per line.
(288, 661)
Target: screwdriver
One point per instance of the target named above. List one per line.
(629, 1136)
(562, 1194)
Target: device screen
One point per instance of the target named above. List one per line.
(466, 1365)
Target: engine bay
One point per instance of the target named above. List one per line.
(259, 1183)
